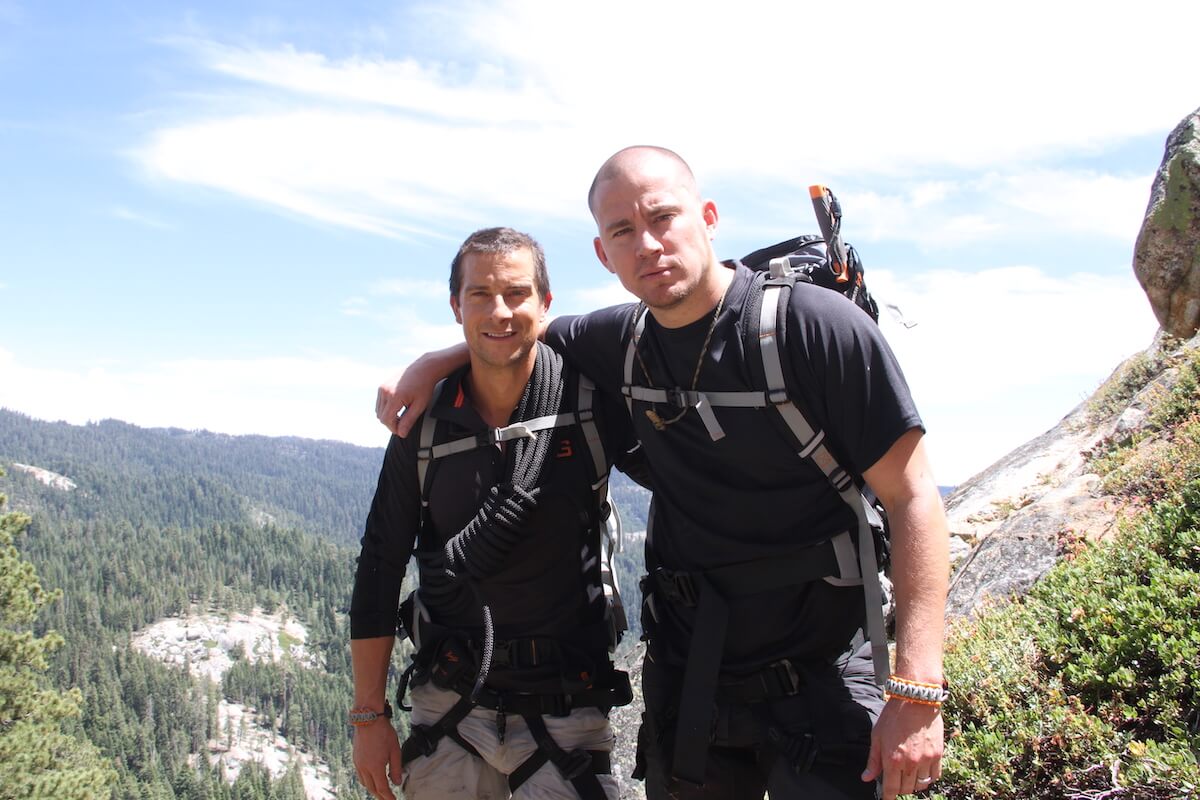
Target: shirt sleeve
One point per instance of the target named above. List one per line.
(387, 543)
(594, 344)
(848, 375)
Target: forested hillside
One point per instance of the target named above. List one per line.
(194, 477)
(166, 522)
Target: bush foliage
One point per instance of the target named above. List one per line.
(1089, 686)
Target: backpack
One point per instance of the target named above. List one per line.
(838, 266)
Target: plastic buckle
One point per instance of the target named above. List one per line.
(784, 675)
(678, 587)
(424, 743)
(800, 751)
(679, 398)
(556, 705)
(504, 654)
(777, 397)
(574, 764)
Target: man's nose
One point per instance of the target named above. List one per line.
(500, 309)
(648, 244)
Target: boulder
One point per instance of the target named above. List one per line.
(1166, 257)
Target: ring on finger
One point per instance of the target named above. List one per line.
(924, 781)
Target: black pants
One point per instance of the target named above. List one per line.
(810, 746)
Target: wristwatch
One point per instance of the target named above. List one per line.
(365, 716)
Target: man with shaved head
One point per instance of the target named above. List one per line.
(793, 708)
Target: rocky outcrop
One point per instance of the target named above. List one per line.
(1166, 258)
(1019, 512)
(51, 479)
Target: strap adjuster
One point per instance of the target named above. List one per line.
(784, 675)
(421, 741)
(777, 397)
(574, 764)
(556, 705)
(682, 398)
(678, 587)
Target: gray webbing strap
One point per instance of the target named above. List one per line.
(703, 402)
(587, 422)
(614, 608)
(683, 397)
(425, 453)
(812, 446)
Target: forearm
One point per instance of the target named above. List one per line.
(920, 573)
(370, 659)
(440, 363)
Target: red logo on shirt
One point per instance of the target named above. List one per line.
(565, 450)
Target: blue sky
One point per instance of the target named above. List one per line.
(239, 217)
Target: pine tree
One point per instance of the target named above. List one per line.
(38, 758)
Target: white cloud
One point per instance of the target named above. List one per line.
(581, 301)
(412, 288)
(1000, 356)
(324, 397)
(946, 214)
(129, 215)
(521, 100)
(1082, 202)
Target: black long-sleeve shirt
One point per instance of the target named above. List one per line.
(543, 587)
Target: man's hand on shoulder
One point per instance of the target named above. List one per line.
(400, 401)
(377, 758)
(397, 406)
(906, 748)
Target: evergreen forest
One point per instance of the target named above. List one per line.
(163, 522)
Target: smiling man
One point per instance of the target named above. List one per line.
(503, 502)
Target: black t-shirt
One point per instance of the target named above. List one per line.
(749, 496)
(548, 586)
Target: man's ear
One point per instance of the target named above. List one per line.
(600, 254)
(546, 303)
(457, 310)
(709, 210)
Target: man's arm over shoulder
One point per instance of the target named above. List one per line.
(591, 343)
(594, 344)
(400, 401)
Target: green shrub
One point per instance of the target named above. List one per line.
(1088, 686)
(1129, 379)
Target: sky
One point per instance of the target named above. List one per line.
(239, 216)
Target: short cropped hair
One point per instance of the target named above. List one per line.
(500, 241)
(617, 162)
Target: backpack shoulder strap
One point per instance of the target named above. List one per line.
(425, 454)
(611, 531)
(811, 442)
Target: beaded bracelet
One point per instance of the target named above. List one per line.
(926, 694)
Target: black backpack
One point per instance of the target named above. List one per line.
(825, 260)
